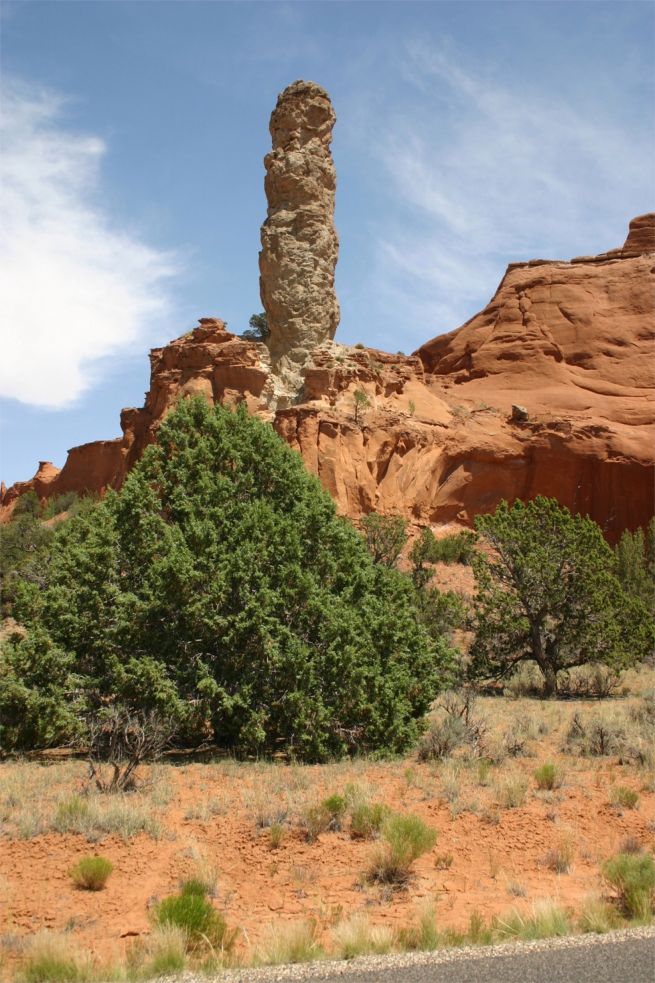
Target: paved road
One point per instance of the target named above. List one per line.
(617, 957)
(629, 961)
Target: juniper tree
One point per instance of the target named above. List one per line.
(549, 595)
(219, 588)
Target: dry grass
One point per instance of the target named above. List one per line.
(264, 805)
(290, 942)
(357, 937)
(203, 869)
(560, 857)
(511, 791)
(36, 799)
(53, 958)
(546, 919)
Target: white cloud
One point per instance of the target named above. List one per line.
(483, 173)
(74, 288)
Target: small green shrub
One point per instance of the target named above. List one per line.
(624, 797)
(275, 836)
(455, 549)
(195, 885)
(366, 819)
(335, 806)
(633, 878)
(196, 916)
(407, 838)
(548, 776)
(91, 873)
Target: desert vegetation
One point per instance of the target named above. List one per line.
(243, 732)
(476, 845)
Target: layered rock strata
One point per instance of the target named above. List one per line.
(299, 241)
(571, 342)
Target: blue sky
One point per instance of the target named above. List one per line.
(468, 135)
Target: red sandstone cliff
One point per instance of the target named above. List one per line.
(572, 342)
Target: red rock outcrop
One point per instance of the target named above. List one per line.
(572, 342)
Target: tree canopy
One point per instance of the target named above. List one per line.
(549, 594)
(220, 588)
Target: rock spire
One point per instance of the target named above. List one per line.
(299, 240)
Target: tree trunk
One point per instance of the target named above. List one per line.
(550, 680)
(540, 655)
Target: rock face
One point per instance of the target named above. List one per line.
(569, 343)
(299, 240)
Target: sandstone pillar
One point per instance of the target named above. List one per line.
(299, 240)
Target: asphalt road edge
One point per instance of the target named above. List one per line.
(366, 964)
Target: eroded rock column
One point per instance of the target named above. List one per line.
(299, 240)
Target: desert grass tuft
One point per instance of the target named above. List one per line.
(315, 820)
(290, 943)
(623, 797)
(162, 953)
(548, 776)
(423, 935)
(120, 815)
(559, 858)
(73, 815)
(357, 937)
(633, 878)
(203, 870)
(51, 958)
(479, 933)
(597, 916)
(511, 791)
(545, 920)
(91, 873)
